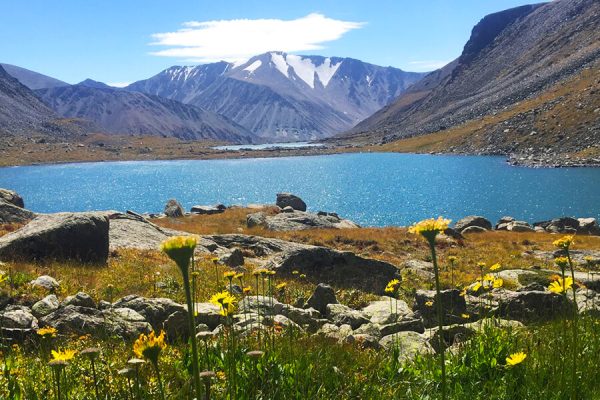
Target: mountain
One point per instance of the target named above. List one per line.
(94, 84)
(281, 96)
(122, 112)
(508, 89)
(21, 112)
(33, 80)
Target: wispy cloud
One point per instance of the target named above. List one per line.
(427, 65)
(118, 84)
(239, 39)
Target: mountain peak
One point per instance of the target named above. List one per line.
(94, 84)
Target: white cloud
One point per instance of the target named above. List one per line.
(428, 65)
(239, 39)
(118, 84)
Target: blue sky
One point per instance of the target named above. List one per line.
(111, 40)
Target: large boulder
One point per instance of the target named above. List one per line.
(80, 299)
(131, 230)
(263, 305)
(233, 259)
(173, 209)
(12, 214)
(154, 310)
(45, 282)
(292, 220)
(519, 226)
(340, 314)
(321, 298)
(62, 236)
(533, 306)
(208, 210)
(409, 344)
(45, 306)
(256, 219)
(12, 197)
(344, 269)
(18, 317)
(472, 220)
(453, 306)
(560, 225)
(588, 226)
(388, 311)
(288, 199)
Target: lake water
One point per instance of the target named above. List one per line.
(290, 145)
(371, 188)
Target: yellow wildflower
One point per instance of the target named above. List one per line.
(516, 358)
(476, 287)
(562, 262)
(559, 286)
(481, 264)
(429, 228)
(295, 272)
(180, 249)
(495, 267)
(302, 276)
(239, 276)
(498, 282)
(225, 301)
(63, 355)
(429, 303)
(281, 286)
(452, 259)
(47, 332)
(564, 242)
(465, 316)
(229, 275)
(150, 346)
(392, 286)
(260, 271)
(463, 293)
(247, 290)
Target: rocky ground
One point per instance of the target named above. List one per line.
(376, 323)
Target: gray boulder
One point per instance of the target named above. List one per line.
(45, 306)
(588, 226)
(519, 226)
(560, 225)
(62, 236)
(293, 220)
(472, 220)
(453, 306)
(173, 209)
(334, 267)
(409, 345)
(473, 229)
(503, 223)
(418, 268)
(263, 305)
(388, 311)
(131, 230)
(12, 197)
(321, 297)
(340, 314)
(256, 219)
(18, 317)
(208, 210)
(363, 341)
(233, 259)
(288, 199)
(81, 299)
(154, 310)
(45, 282)
(12, 214)
(533, 306)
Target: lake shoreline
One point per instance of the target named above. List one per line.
(48, 154)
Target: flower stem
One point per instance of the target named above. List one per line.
(575, 332)
(159, 378)
(192, 329)
(440, 317)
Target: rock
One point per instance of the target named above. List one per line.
(208, 314)
(288, 199)
(473, 229)
(559, 225)
(283, 322)
(409, 345)
(233, 259)
(289, 209)
(588, 226)
(260, 246)
(503, 222)
(300, 316)
(134, 231)
(415, 325)
(154, 310)
(83, 320)
(208, 210)
(363, 341)
(334, 267)
(262, 305)
(472, 220)
(62, 236)
(334, 332)
(533, 306)
(45, 282)
(12, 214)
(321, 297)
(18, 317)
(519, 226)
(388, 311)
(81, 299)
(173, 209)
(418, 268)
(12, 197)
(340, 314)
(453, 306)
(45, 306)
(299, 220)
(256, 219)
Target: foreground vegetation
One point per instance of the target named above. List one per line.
(283, 363)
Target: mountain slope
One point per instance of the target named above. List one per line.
(281, 96)
(512, 57)
(21, 112)
(33, 80)
(122, 112)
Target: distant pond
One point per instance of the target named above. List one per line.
(373, 189)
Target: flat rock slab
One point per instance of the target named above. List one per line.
(12, 214)
(260, 246)
(300, 220)
(135, 232)
(62, 236)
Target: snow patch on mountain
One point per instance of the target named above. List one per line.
(326, 71)
(254, 66)
(280, 63)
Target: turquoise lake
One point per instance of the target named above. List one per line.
(374, 189)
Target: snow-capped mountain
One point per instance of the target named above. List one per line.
(281, 96)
